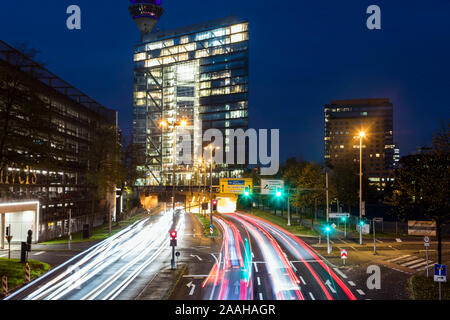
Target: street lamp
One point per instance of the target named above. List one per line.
(211, 148)
(362, 135)
(165, 124)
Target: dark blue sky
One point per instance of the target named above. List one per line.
(303, 54)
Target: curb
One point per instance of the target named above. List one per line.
(172, 289)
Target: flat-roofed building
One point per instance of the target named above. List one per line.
(47, 128)
(344, 120)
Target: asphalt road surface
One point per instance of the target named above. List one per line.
(260, 261)
(106, 270)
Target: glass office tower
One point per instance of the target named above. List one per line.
(197, 73)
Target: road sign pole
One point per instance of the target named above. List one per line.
(440, 292)
(426, 252)
(328, 242)
(345, 229)
(288, 210)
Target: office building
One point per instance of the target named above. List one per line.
(197, 73)
(344, 120)
(47, 131)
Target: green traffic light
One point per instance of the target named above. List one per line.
(361, 223)
(327, 229)
(246, 193)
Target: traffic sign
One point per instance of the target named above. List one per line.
(426, 240)
(440, 273)
(211, 229)
(378, 219)
(344, 254)
(339, 215)
(270, 186)
(333, 226)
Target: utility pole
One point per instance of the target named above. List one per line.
(361, 136)
(173, 175)
(289, 207)
(328, 207)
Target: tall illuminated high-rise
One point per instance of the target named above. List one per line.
(198, 73)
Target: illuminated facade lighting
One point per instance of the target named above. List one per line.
(198, 73)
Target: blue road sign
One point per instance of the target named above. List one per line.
(440, 273)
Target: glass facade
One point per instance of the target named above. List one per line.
(199, 74)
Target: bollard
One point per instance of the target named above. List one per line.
(5, 285)
(27, 273)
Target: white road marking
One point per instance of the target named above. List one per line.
(353, 248)
(412, 262)
(352, 283)
(192, 287)
(420, 264)
(193, 256)
(311, 295)
(425, 268)
(256, 268)
(259, 281)
(328, 284)
(379, 241)
(398, 240)
(303, 280)
(197, 276)
(340, 273)
(38, 253)
(292, 265)
(260, 296)
(360, 292)
(399, 258)
(393, 248)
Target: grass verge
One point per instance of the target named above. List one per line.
(282, 222)
(101, 232)
(206, 223)
(424, 288)
(15, 271)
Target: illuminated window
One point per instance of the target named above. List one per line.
(237, 28)
(237, 37)
(140, 56)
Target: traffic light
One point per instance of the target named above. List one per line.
(361, 223)
(173, 240)
(7, 232)
(246, 191)
(343, 219)
(327, 229)
(278, 192)
(214, 202)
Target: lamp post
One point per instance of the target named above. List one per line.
(328, 211)
(361, 136)
(175, 125)
(211, 148)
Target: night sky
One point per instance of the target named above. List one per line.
(303, 55)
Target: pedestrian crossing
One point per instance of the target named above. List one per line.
(411, 262)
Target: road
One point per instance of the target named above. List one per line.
(261, 261)
(106, 270)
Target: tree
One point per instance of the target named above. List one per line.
(421, 187)
(310, 187)
(105, 169)
(292, 170)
